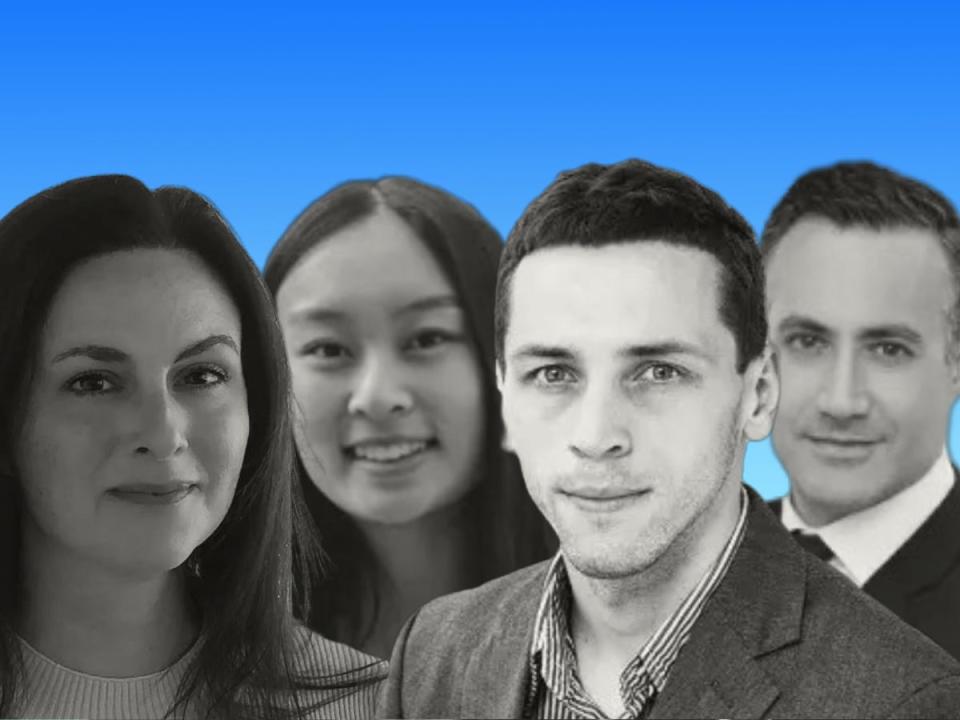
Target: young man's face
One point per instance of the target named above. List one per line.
(859, 320)
(622, 399)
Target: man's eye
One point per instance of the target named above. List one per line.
(660, 373)
(806, 342)
(552, 375)
(91, 384)
(892, 350)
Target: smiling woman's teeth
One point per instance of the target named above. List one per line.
(388, 452)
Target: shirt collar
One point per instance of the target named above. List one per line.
(863, 541)
(552, 655)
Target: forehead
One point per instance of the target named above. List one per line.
(140, 298)
(377, 261)
(853, 277)
(617, 295)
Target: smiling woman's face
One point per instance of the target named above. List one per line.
(136, 421)
(388, 389)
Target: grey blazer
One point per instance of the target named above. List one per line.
(783, 636)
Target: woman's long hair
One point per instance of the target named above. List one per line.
(505, 531)
(242, 575)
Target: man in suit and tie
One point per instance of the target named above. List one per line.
(863, 271)
(632, 361)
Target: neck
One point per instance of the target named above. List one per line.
(616, 617)
(99, 620)
(417, 562)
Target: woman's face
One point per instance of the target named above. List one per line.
(136, 421)
(387, 383)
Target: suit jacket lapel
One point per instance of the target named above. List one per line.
(497, 676)
(757, 609)
(924, 559)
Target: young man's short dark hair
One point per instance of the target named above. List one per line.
(633, 200)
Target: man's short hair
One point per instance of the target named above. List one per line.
(864, 194)
(635, 201)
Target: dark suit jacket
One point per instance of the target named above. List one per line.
(921, 582)
(783, 636)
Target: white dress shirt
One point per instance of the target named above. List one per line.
(863, 541)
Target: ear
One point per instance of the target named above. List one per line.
(761, 380)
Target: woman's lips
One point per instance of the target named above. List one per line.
(153, 494)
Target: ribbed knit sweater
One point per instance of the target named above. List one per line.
(54, 691)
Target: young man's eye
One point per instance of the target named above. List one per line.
(660, 373)
(92, 384)
(551, 376)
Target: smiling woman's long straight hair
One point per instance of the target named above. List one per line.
(505, 531)
(242, 576)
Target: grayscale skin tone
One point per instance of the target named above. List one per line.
(622, 400)
(389, 403)
(130, 452)
(861, 323)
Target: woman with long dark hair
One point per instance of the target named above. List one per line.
(385, 292)
(147, 488)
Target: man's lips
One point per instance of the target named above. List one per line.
(843, 440)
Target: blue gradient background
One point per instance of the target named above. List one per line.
(262, 110)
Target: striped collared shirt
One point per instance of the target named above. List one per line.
(555, 689)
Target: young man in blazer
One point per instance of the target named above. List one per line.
(863, 271)
(631, 343)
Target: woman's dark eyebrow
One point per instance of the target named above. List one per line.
(432, 302)
(204, 345)
(101, 353)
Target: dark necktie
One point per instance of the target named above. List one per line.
(813, 544)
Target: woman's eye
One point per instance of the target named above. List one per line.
(204, 377)
(325, 350)
(427, 339)
(91, 384)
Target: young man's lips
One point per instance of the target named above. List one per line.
(603, 499)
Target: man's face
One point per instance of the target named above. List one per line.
(622, 400)
(859, 320)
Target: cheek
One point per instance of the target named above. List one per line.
(321, 403)
(219, 438)
(799, 389)
(451, 394)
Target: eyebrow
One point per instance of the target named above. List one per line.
(659, 349)
(876, 332)
(799, 322)
(326, 314)
(102, 353)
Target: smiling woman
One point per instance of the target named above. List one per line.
(385, 294)
(146, 472)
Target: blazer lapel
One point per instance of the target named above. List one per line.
(497, 675)
(757, 609)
